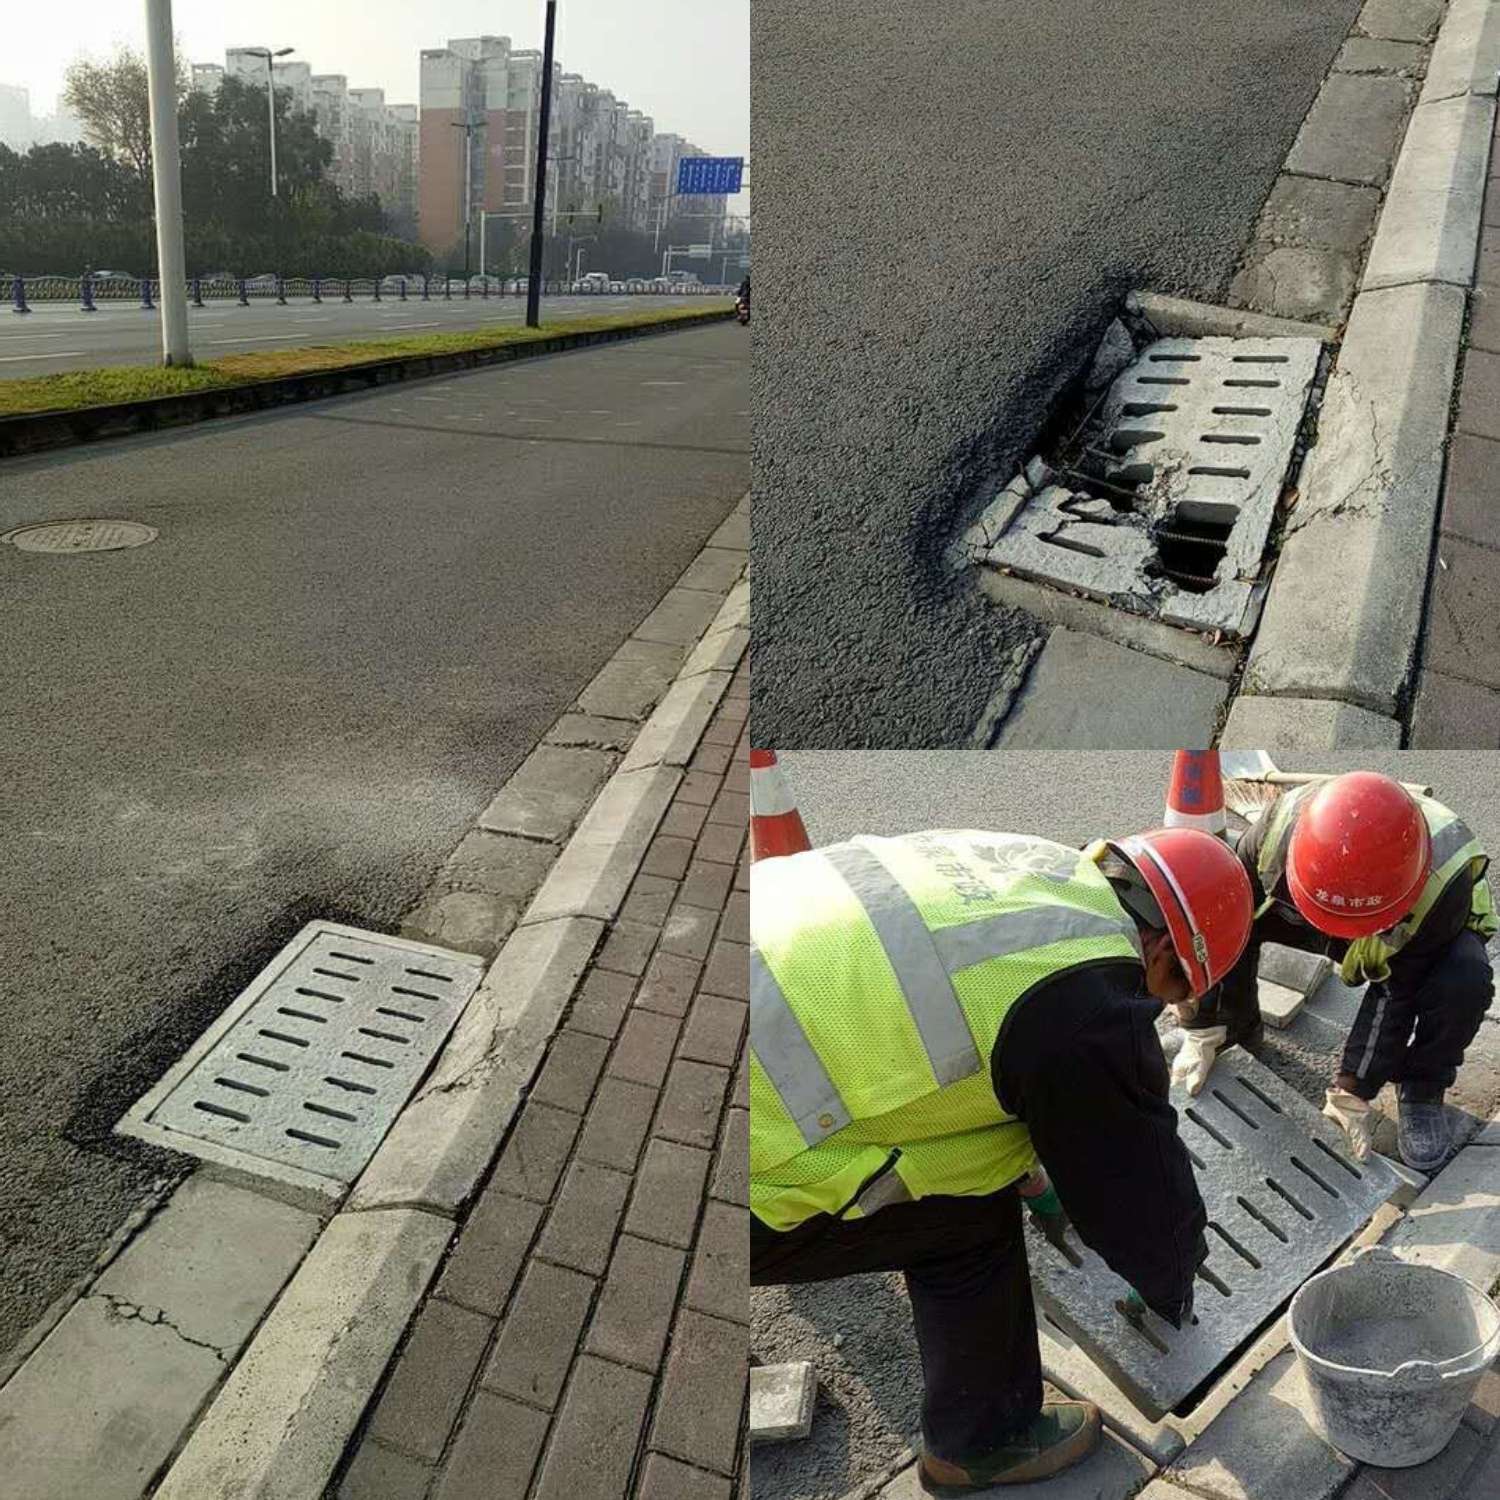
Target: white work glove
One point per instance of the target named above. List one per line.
(1196, 1057)
(1354, 1117)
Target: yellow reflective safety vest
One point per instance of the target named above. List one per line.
(1453, 847)
(881, 972)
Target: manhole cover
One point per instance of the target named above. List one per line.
(1165, 504)
(80, 536)
(302, 1076)
(1282, 1195)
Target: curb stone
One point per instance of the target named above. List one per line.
(1256, 723)
(1466, 58)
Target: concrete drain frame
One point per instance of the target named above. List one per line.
(1169, 461)
(294, 1086)
(1283, 1197)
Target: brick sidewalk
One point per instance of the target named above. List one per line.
(1457, 702)
(586, 1339)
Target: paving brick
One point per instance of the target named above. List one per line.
(742, 1084)
(721, 732)
(617, 1124)
(1484, 1410)
(1478, 404)
(602, 1001)
(668, 985)
(649, 901)
(1440, 1478)
(627, 948)
(1485, 1480)
(1484, 323)
(491, 1248)
(692, 1103)
(711, 758)
(571, 1070)
(379, 1474)
(533, 1157)
(715, 1028)
(684, 820)
(1452, 714)
(539, 1335)
(702, 1400)
(720, 1280)
(425, 1394)
(732, 808)
(737, 777)
(645, 1047)
(721, 843)
(689, 931)
(1464, 618)
(781, 1401)
(496, 1450)
(583, 1220)
(668, 857)
(736, 924)
(593, 1445)
(707, 884)
(700, 787)
(728, 971)
(1471, 493)
(636, 1305)
(668, 1191)
(732, 1165)
(666, 1479)
(742, 873)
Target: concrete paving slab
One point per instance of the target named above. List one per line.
(278, 1428)
(1479, 403)
(1327, 215)
(714, 570)
(670, 736)
(1429, 227)
(781, 1401)
(1278, 1004)
(1369, 498)
(1466, 56)
(1305, 724)
(1451, 714)
(1114, 1472)
(1087, 693)
(1471, 490)
(547, 793)
(681, 617)
(1366, 55)
(1400, 20)
(1297, 281)
(1351, 132)
(1463, 630)
(1183, 317)
(1455, 1223)
(1291, 967)
(628, 687)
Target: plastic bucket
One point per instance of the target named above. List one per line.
(1393, 1353)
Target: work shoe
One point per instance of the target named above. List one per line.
(1422, 1132)
(1065, 1433)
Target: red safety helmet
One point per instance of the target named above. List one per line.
(1204, 896)
(1359, 855)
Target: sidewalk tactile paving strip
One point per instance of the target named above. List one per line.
(1202, 429)
(312, 1063)
(1283, 1195)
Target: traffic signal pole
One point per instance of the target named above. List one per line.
(539, 196)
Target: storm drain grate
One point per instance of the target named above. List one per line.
(1282, 1193)
(1167, 504)
(303, 1075)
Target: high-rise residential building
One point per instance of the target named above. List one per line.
(206, 78)
(15, 117)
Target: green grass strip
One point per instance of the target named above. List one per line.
(74, 389)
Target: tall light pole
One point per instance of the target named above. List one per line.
(166, 173)
(539, 206)
(468, 127)
(270, 57)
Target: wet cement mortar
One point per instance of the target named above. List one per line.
(951, 207)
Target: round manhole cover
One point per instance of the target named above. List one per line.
(80, 536)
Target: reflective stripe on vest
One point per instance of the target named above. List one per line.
(789, 1059)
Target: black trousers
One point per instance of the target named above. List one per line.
(964, 1260)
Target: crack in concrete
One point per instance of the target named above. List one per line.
(118, 1308)
(1378, 472)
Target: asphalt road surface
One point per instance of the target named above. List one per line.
(858, 1332)
(953, 201)
(57, 336)
(359, 616)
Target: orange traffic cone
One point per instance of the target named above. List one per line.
(775, 824)
(1195, 796)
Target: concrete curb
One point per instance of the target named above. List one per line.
(35, 432)
(1466, 57)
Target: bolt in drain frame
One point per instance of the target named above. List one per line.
(297, 1082)
(1283, 1195)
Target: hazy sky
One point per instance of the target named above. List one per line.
(684, 62)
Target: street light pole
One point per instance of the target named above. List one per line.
(166, 172)
(539, 205)
(469, 127)
(269, 56)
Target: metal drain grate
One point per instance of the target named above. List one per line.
(1168, 507)
(302, 1076)
(1282, 1194)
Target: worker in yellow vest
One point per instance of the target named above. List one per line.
(929, 1016)
(1392, 886)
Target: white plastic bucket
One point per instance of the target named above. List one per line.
(1393, 1352)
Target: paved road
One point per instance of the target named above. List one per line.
(358, 618)
(57, 336)
(858, 1332)
(954, 199)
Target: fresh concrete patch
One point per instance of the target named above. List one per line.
(1466, 57)
(1352, 131)
(548, 792)
(278, 1427)
(1400, 20)
(1090, 694)
(104, 1400)
(1364, 521)
(781, 1401)
(1305, 724)
(1429, 228)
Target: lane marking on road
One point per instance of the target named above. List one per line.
(11, 359)
(21, 334)
(260, 338)
(664, 382)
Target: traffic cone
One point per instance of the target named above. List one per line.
(775, 824)
(1195, 795)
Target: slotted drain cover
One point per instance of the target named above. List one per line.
(302, 1076)
(1168, 508)
(1282, 1193)
(80, 536)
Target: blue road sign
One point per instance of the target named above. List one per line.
(710, 175)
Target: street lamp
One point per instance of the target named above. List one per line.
(469, 127)
(270, 56)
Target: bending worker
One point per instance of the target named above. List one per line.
(931, 1014)
(1393, 887)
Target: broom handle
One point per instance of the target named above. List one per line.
(1301, 778)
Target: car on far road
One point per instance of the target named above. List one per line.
(617, 286)
(637, 284)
